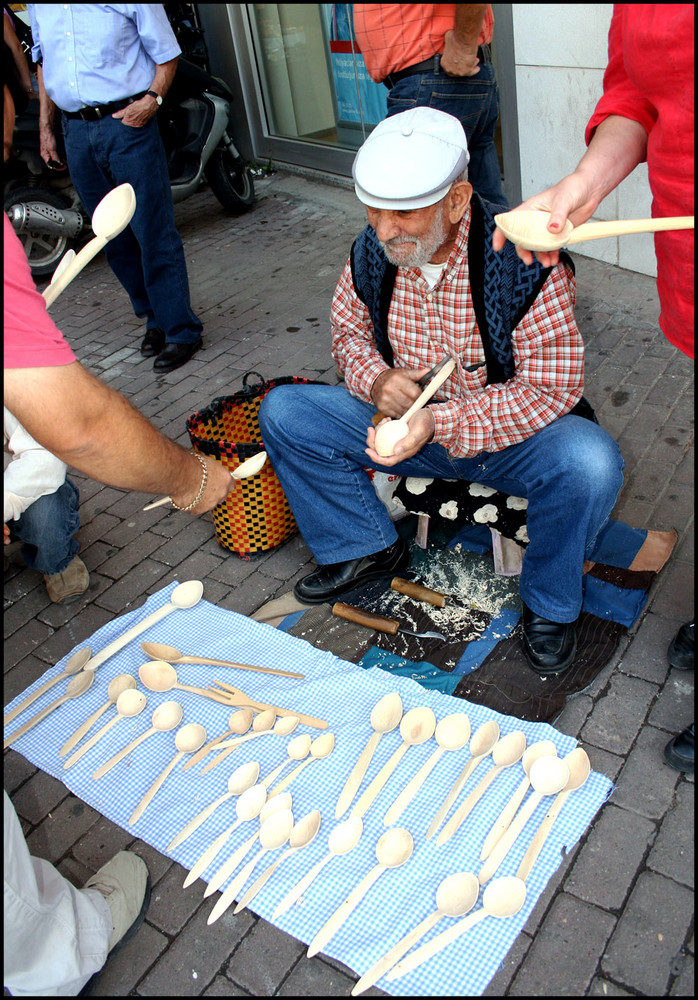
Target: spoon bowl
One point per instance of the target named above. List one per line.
(391, 431)
(129, 704)
(187, 740)
(321, 747)
(250, 467)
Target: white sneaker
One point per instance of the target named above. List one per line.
(125, 884)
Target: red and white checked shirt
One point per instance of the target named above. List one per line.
(425, 324)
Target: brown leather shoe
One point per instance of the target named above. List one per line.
(65, 587)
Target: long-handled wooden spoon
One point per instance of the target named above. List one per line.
(302, 834)
(528, 228)
(282, 727)
(237, 697)
(452, 733)
(385, 716)
(393, 849)
(483, 739)
(455, 896)
(549, 775)
(248, 806)
(156, 675)
(320, 748)
(129, 704)
(117, 685)
(417, 726)
(507, 751)
(248, 468)
(240, 780)
(580, 769)
(76, 686)
(74, 665)
(188, 739)
(160, 651)
(165, 718)
(543, 748)
(503, 898)
(184, 596)
(342, 840)
(389, 433)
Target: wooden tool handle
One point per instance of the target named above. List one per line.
(294, 894)
(210, 854)
(417, 591)
(366, 618)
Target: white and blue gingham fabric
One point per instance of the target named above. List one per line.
(344, 695)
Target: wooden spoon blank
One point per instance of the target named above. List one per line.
(238, 697)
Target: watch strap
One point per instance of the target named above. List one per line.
(151, 93)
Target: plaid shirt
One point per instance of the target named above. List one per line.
(424, 324)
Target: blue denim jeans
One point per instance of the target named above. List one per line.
(570, 472)
(148, 257)
(474, 101)
(46, 530)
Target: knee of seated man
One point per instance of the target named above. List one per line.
(593, 456)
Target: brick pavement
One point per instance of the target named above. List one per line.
(617, 917)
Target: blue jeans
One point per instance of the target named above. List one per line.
(570, 472)
(46, 530)
(148, 257)
(474, 101)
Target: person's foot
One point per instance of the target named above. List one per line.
(174, 356)
(550, 647)
(66, 587)
(328, 582)
(153, 342)
(679, 751)
(680, 652)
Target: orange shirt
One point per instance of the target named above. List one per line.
(392, 36)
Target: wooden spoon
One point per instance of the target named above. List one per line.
(185, 595)
(239, 722)
(455, 896)
(118, 684)
(76, 686)
(484, 738)
(528, 228)
(110, 217)
(507, 751)
(74, 665)
(392, 431)
(129, 704)
(249, 806)
(342, 840)
(266, 722)
(165, 718)
(273, 834)
(188, 739)
(240, 780)
(393, 849)
(543, 748)
(417, 726)
(452, 733)
(160, 651)
(237, 697)
(297, 749)
(159, 676)
(321, 747)
(580, 769)
(504, 898)
(280, 804)
(549, 775)
(302, 834)
(250, 467)
(385, 717)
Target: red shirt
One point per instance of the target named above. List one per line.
(425, 323)
(649, 78)
(32, 339)
(392, 36)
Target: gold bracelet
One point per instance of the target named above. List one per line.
(202, 488)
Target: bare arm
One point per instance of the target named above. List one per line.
(140, 112)
(460, 45)
(20, 60)
(47, 119)
(96, 430)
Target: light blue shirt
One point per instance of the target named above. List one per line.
(95, 53)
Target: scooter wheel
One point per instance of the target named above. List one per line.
(230, 181)
(43, 250)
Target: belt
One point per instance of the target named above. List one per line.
(93, 114)
(433, 65)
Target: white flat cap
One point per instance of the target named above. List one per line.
(410, 160)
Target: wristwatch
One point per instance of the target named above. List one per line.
(151, 93)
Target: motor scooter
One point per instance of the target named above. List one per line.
(194, 122)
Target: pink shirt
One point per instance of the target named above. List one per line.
(32, 339)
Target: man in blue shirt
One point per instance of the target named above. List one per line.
(106, 67)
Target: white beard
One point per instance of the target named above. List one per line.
(424, 246)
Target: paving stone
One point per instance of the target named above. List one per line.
(673, 851)
(281, 952)
(37, 796)
(646, 783)
(619, 714)
(56, 834)
(124, 970)
(314, 978)
(170, 907)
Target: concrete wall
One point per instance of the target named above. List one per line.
(560, 55)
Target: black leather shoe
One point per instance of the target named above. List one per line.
(153, 342)
(550, 647)
(328, 582)
(680, 752)
(174, 356)
(681, 651)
